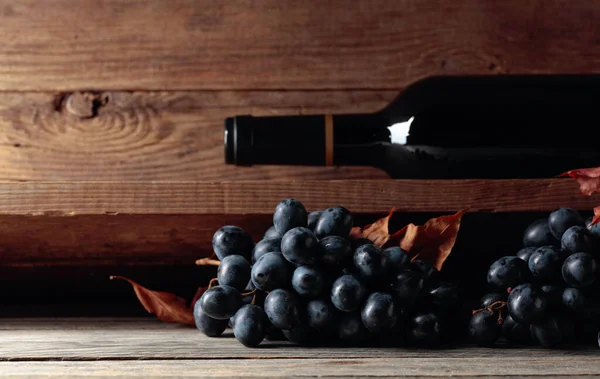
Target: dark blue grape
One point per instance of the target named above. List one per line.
(554, 293)
(336, 221)
(220, 302)
(308, 281)
(425, 268)
(527, 303)
(271, 271)
(249, 325)
(538, 234)
(491, 298)
(515, 333)
(484, 329)
(547, 332)
(282, 308)
(574, 299)
(579, 270)
(300, 246)
(232, 240)
(562, 219)
(264, 246)
(526, 252)
(444, 295)
(379, 312)
(424, 329)
(321, 315)
(347, 293)
(209, 326)
(335, 252)
(234, 271)
(289, 214)
(508, 272)
(271, 233)
(408, 286)
(577, 239)
(369, 262)
(396, 260)
(313, 218)
(545, 263)
(301, 334)
(351, 329)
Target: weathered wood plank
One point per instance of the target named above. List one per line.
(207, 44)
(94, 339)
(154, 135)
(490, 368)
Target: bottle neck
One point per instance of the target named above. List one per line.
(351, 139)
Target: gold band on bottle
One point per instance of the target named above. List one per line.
(328, 140)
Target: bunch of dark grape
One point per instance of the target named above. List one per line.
(549, 292)
(307, 282)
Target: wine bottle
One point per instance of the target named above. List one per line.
(504, 126)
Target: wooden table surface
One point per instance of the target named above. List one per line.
(98, 348)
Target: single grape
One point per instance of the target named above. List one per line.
(554, 293)
(271, 233)
(379, 312)
(321, 315)
(408, 286)
(424, 329)
(579, 270)
(369, 261)
(351, 329)
(577, 239)
(335, 252)
(444, 295)
(427, 269)
(538, 234)
(396, 260)
(300, 246)
(249, 325)
(232, 240)
(491, 298)
(313, 218)
(234, 271)
(308, 281)
(271, 271)
(527, 303)
(562, 219)
(347, 293)
(209, 326)
(515, 333)
(289, 214)
(574, 299)
(545, 263)
(547, 332)
(336, 221)
(264, 246)
(484, 329)
(282, 308)
(508, 272)
(220, 302)
(526, 252)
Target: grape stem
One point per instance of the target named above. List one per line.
(248, 293)
(496, 306)
(210, 261)
(212, 282)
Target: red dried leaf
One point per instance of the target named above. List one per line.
(596, 218)
(166, 306)
(588, 179)
(431, 242)
(378, 232)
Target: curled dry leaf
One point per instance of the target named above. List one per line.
(378, 232)
(431, 242)
(166, 306)
(588, 179)
(596, 218)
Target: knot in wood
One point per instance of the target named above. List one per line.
(85, 104)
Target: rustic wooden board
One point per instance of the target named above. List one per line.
(154, 135)
(134, 347)
(207, 44)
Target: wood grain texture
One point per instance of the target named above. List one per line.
(208, 44)
(154, 135)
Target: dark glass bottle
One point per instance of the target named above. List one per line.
(505, 126)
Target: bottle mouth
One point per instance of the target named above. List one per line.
(229, 140)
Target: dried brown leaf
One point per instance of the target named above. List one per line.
(588, 179)
(166, 306)
(378, 232)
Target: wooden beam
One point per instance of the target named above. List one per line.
(275, 44)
